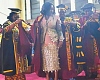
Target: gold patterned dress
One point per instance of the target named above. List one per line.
(50, 35)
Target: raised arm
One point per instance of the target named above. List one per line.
(9, 26)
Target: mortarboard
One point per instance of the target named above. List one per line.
(87, 6)
(62, 6)
(16, 10)
(75, 12)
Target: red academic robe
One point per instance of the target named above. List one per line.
(91, 45)
(66, 73)
(7, 56)
(25, 41)
(37, 59)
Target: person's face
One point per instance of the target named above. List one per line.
(87, 11)
(62, 13)
(15, 17)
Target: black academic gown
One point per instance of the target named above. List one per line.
(7, 54)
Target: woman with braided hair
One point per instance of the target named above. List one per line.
(48, 39)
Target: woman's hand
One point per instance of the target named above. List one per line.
(60, 44)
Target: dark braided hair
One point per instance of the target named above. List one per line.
(46, 8)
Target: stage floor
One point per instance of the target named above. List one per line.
(31, 76)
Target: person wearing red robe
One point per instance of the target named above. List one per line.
(48, 38)
(15, 47)
(87, 11)
(66, 55)
(91, 45)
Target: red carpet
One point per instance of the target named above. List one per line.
(2, 77)
(32, 76)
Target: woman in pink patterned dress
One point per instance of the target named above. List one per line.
(48, 39)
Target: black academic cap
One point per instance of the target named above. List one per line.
(16, 10)
(87, 6)
(62, 6)
(75, 12)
